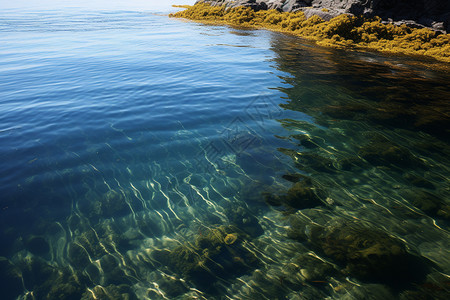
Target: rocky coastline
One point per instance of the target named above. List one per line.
(433, 14)
(334, 27)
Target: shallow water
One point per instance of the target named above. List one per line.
(154, 158)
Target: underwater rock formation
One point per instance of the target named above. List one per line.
(215, 254)
(382, 152)
(430, 204)
(367, 253)
(419, 13)
(304, 193)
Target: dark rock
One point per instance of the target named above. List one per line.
(430, 204)
(313, 269)
(243, 218)
(419, 181)
(370, 254)
(382, 152)
(216, 253)
(303, 194)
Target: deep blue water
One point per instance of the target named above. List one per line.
(134, 148)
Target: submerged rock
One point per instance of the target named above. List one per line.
(244, 219)
(312, 269)
(303, 194)
(430, 204)
(369, 253)
(216, 253)
(382, 152)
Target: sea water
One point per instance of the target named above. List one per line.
(145, 157)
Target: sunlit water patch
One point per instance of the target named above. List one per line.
(144, 157)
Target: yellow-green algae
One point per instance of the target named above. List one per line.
(344, 31)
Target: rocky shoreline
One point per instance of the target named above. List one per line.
(433, 14)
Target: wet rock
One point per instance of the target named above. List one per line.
(294, 178)
(419, 181)
(114, 204)
(172, 286)
(111, 204)
(313, 269)
(243, 218)
(382, 152)
(90, 241)
(316, 162)
(78, 256)
(369, 254)
(348, 164)
(147, 225)
(211, 256)
(303, 194)
(66, 287)
(114, 273)
(430, 204)
(10, 279)
(308, 161)
(306, 141)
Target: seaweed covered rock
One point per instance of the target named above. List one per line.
(309, 161)
(418, 13)
(430, 204)
(382, 152)
(216, 253)
(244, 219)
(303, 194)
(85, 247)
(10, 279)
(369, 253)
(111, 204)
(311, 268)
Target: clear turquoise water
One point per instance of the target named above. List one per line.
(135, 147)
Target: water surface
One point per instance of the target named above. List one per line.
(154, 158)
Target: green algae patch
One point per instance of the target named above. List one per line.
(343, 31)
